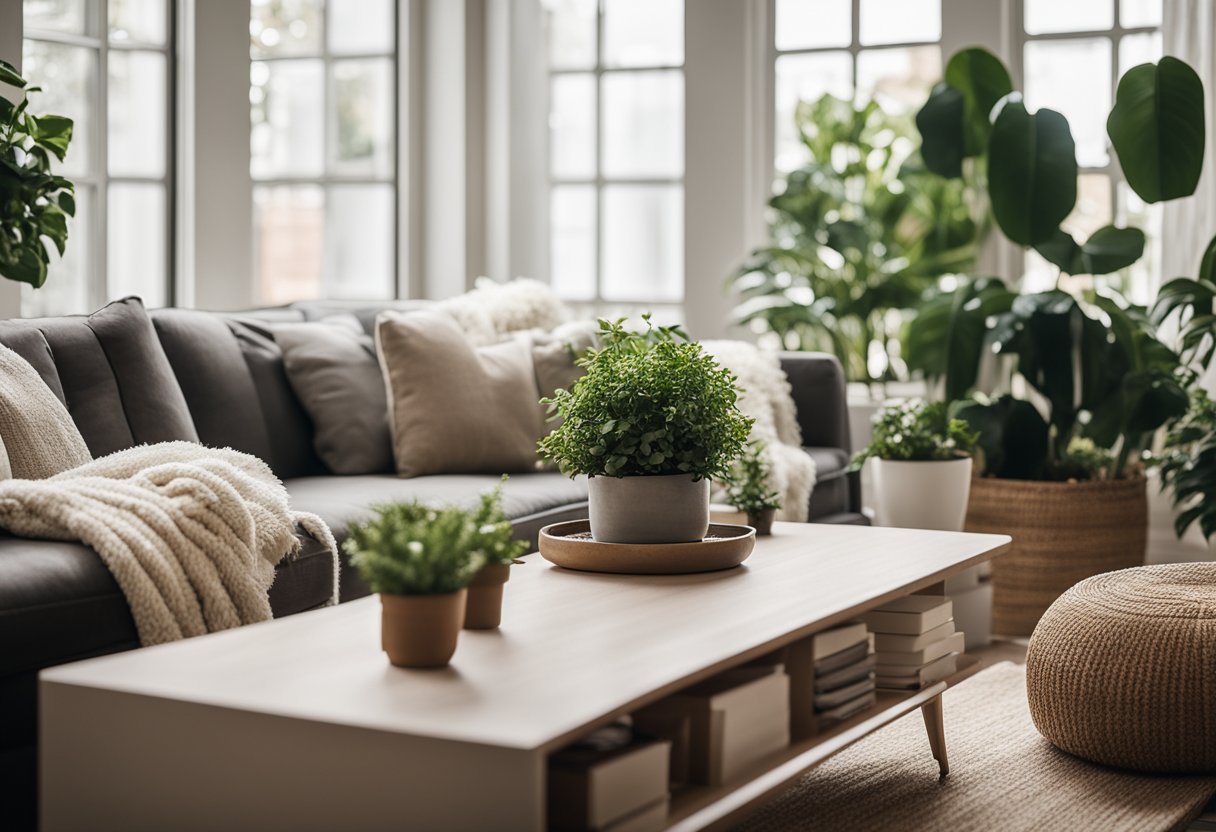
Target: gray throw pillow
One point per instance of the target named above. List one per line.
(39, 437)
(334, 372)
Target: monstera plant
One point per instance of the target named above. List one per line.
(34, 202)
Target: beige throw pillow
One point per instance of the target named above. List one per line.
(38, 434)
(455, 408)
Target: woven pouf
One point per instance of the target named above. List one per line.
(1121, 669)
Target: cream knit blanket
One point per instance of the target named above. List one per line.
(191, 534)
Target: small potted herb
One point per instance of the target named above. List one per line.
(748, 488)
(651, 422)
(420, 560)
(496, 541)
(922, 465)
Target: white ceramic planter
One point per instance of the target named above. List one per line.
(922, 495)
(660, 509)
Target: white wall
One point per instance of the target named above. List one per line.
(10, 51)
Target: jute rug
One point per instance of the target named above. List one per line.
(1003, 775)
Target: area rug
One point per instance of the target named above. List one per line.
(1003, 775)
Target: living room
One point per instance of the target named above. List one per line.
(615, 415)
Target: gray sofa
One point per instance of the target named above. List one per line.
(129, 377)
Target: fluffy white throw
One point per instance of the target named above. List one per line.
(767, 399)
(191, 534)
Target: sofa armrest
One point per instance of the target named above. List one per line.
(817, 382)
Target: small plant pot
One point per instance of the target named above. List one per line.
(929, 494)
(762, 521)
(421, 630)
(659, 509)
(484, 608)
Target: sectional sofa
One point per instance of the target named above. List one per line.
(130, 377)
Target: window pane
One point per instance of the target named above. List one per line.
(1071, 16)
(67, 75)
(572, 241)
(287, 137)
(359, 234)
(805, 78)
(1134, 13)
(1145, 274)
(362, 27)
(137, 118)
(1093, 208)
(143, 21)
(1139, 49)
(284, 27)
(900, 21)
(66, 290)
(809, 24)
(643, 129)
(288, 222)
(1073, 77)
(56, 15)
(571, 28)
(898, 79)
(361, 125)
(572, 126)
(135, 249)
(643, 32)
(643, 254)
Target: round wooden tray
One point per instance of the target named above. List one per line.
(570, 545)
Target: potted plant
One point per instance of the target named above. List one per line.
(420, 560)
(651, 421)
(34, 203)
(495, 539)
(748, 488)
(921, 465)
(1091, 381)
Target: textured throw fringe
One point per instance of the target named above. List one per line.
(191, 534)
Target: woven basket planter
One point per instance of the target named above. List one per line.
(1063, 532)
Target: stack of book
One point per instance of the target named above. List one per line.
(915, 643)
(844, 672)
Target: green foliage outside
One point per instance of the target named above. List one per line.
(34, 203)
(858, 234)
(916, 430)
(650, 403)
(412, 549)
(1188, 466)
(748, 483)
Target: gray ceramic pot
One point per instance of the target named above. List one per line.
(661, 509)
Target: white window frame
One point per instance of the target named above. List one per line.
(98, 181)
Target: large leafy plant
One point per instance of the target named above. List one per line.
(914, 430)
(650, 403)
(34, 203)
(858, 234)
(1099, 371)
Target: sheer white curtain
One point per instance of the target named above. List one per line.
(1189, 33)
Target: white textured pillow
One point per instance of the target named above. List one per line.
(39, 437)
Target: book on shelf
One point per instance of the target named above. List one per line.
(844, 658)
(848, 709)
(887, 642)
(918, 677)
(910, 615)
(839, 696)
(830, 642)
(890, 661)
(847, 675)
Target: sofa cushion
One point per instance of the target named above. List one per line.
(530, 501)
(831, 492)
(110, 371)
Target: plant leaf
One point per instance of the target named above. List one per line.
(982, 80)
(940, 122)
(9, 75)
(1032, 172)
(1157, 129)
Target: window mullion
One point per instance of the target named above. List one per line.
(99, 271)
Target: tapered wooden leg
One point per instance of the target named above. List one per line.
(935, 727)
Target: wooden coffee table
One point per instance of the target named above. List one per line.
(302, 724)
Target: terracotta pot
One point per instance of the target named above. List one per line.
(762, 521)
(657, 509)
(484, 608)
(421, 630)
(1062, 533)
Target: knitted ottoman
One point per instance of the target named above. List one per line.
(1121, 669)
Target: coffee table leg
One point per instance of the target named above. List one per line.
(935, 726)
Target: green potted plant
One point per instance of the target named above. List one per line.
(749, 489)
(921, 465)
(495, 539)
(34, 203)
(651, 421)
(1061, 460)
(420, 560)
